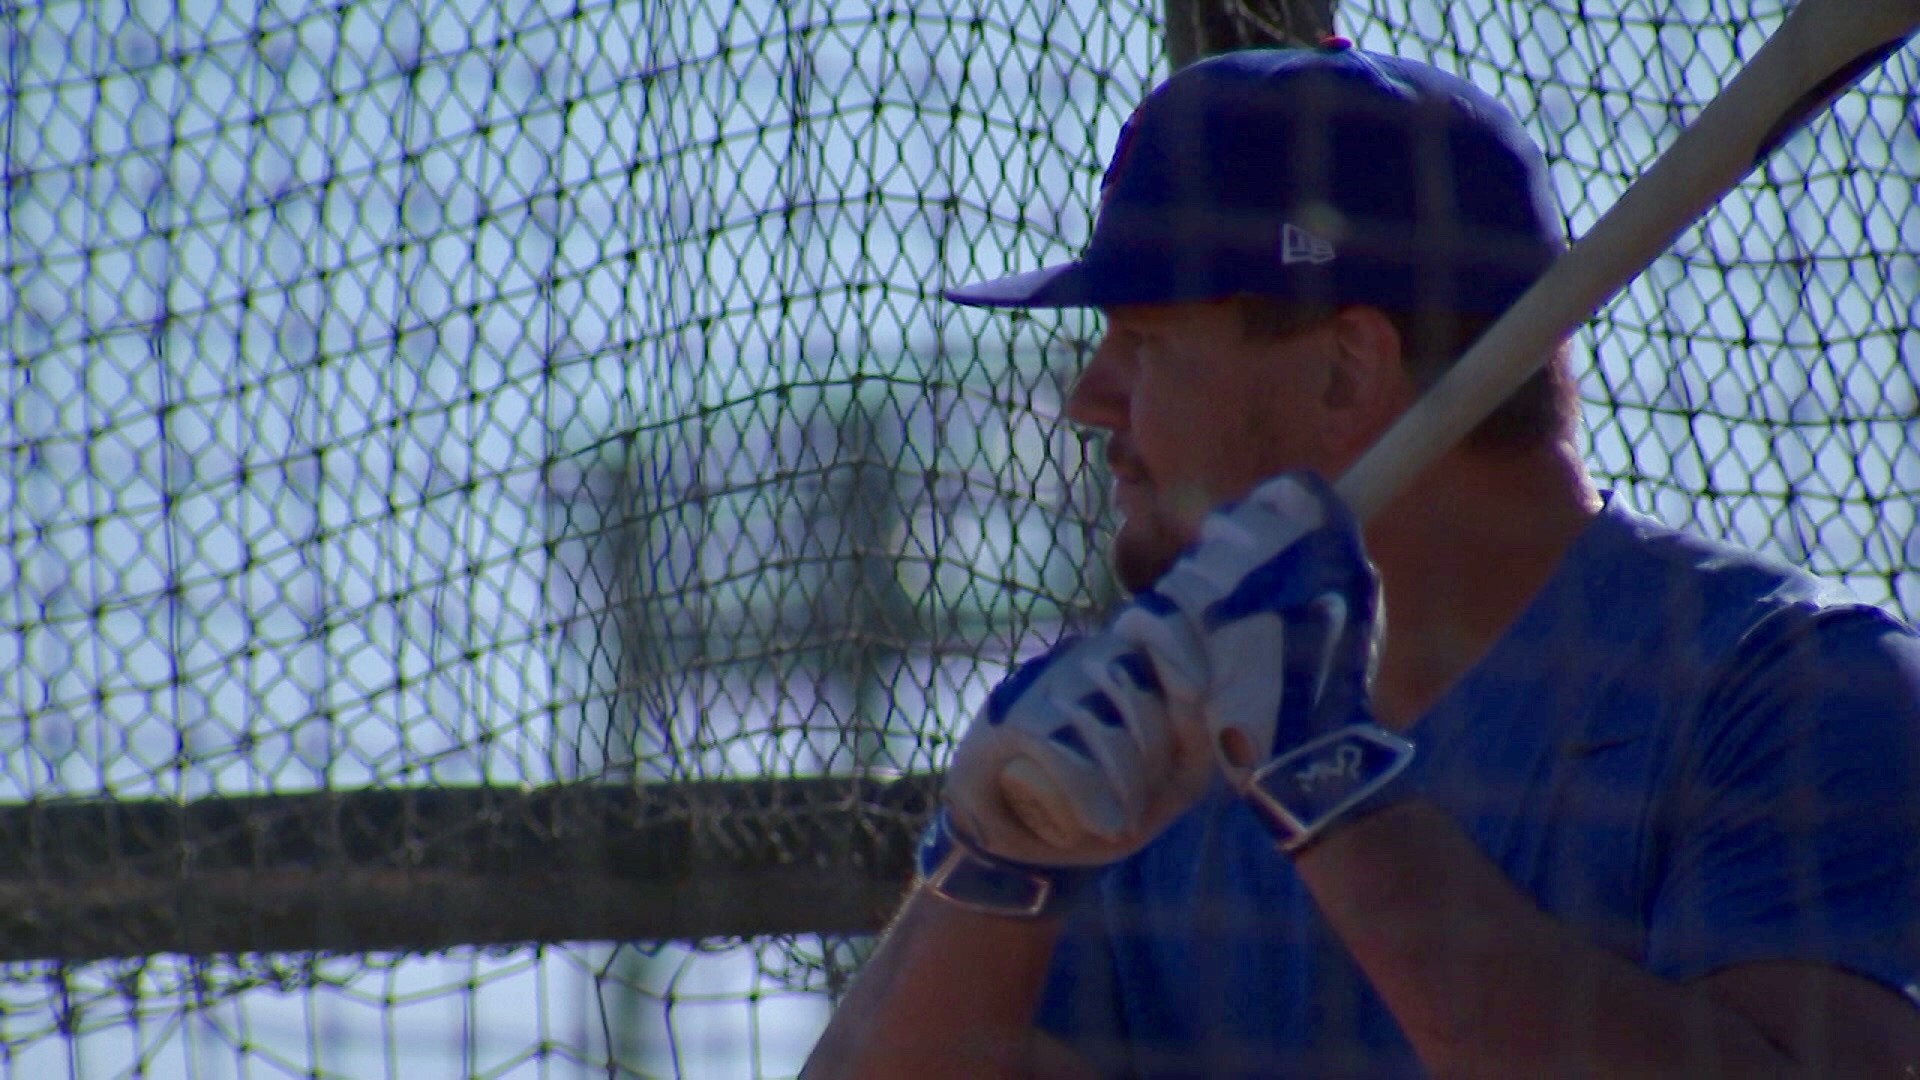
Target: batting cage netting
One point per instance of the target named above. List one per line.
(501, 530)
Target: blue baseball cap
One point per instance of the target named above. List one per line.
(1327, 176)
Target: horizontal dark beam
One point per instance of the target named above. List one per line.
(402, 870)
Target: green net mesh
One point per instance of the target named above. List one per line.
(411, 396)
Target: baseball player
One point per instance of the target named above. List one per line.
(1516, 782)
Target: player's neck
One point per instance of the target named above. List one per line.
(1460, 556)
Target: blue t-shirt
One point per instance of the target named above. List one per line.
(1695, 757)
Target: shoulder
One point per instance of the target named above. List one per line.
(1789, 674)
(1677, 565)
(1821, 686)
(1716, 648)
(1768, 615)
(1711, 603)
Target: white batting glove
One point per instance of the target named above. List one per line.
(1122, 757)
(1272, 612)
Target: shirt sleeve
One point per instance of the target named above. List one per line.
(1795, 828)
(1080, 1003)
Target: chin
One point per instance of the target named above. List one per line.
(1142, 553)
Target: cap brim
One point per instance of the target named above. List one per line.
(1064, 285)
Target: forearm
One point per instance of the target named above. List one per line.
(1485, 983)
(948, 993)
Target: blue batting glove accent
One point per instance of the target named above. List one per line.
(1272, 613)
(1001, 699)
(1117, 757)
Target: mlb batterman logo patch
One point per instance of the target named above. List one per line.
(1297, 245)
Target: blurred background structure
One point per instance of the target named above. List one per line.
(500, 532)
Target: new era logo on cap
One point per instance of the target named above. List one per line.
(1297, 245)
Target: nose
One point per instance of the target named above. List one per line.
(1099, 398)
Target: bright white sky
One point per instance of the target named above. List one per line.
(311, 358)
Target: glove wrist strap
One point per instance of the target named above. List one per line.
(1336, 777)
(958, 873)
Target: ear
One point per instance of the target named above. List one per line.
(1367, 385)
